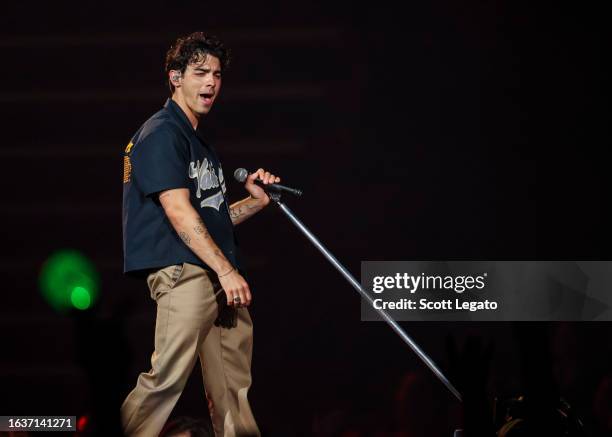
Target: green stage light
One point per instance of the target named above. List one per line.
(69, 280)
(80, 298)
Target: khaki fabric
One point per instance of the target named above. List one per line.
(193, 321)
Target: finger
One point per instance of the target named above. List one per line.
(230, 297)
(234, 298)
(266, 177)
(256, 175)
(237, 300)
(248, 295)
(271, 179)
(261, 173)
(245, 295)
(242, 296)
(277, 180)
(253, 176)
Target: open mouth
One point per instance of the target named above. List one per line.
(207, 98)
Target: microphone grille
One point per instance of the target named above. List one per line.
(241, 174)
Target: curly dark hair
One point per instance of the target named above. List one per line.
(191, 48)
(196, 427)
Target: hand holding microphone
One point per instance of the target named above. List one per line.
(265, 179)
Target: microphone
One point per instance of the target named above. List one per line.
(241, 174)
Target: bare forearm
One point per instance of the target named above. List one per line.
(246, 208)
(191, 229)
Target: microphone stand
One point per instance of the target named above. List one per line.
(275, 196)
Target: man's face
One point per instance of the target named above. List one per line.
(200, 84)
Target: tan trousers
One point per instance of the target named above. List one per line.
(189, 301)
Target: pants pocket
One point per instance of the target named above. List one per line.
(164, 280)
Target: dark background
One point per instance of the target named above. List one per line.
(435, 130)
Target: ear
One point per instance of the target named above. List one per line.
(175, 77)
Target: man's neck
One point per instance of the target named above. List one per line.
(190, 115)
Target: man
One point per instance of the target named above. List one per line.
(178, 232)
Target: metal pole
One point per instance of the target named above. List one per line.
(357, 286)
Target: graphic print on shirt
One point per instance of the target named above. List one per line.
(205, 178)
(127, 165)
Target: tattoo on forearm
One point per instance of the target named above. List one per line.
(241, 210)
(235, 212)
(200, 228)
(185, 238)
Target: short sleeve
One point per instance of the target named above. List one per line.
(159, 163)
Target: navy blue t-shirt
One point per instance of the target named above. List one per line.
(166, 153)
